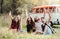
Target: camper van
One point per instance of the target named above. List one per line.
(54, 10)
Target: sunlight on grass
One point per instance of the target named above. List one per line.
(5, 33)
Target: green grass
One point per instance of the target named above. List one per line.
(5, 33)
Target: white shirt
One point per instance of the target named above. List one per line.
(38, 26)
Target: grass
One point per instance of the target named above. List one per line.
(5, 33)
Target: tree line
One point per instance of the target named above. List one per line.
(13, 5)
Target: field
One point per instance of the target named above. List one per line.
(5, 33)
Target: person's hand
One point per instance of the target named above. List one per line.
(10, 13)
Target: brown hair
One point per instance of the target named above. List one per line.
(35, 19)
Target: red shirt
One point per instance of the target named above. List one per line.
(14, 24)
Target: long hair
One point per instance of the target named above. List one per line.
(31, 21)
(36, 19)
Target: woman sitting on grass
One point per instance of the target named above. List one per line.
(38, 26)
(42, 26)
(15, 22)
(46, 28)
(29, 24)
(49, 25)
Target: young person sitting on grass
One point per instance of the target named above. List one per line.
(15, 21)
(47, 29)
(38, 26)
(29, 24)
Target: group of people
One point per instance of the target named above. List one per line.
(38, 25)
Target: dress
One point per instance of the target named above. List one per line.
(15, 25)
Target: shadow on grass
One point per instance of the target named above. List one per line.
(56, 27)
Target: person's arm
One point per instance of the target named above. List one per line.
(44, 14)
(49, 17)
(20, 18)
(26, 21)
(10, 15)
(11, 18)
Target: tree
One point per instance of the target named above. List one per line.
(1, 3)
